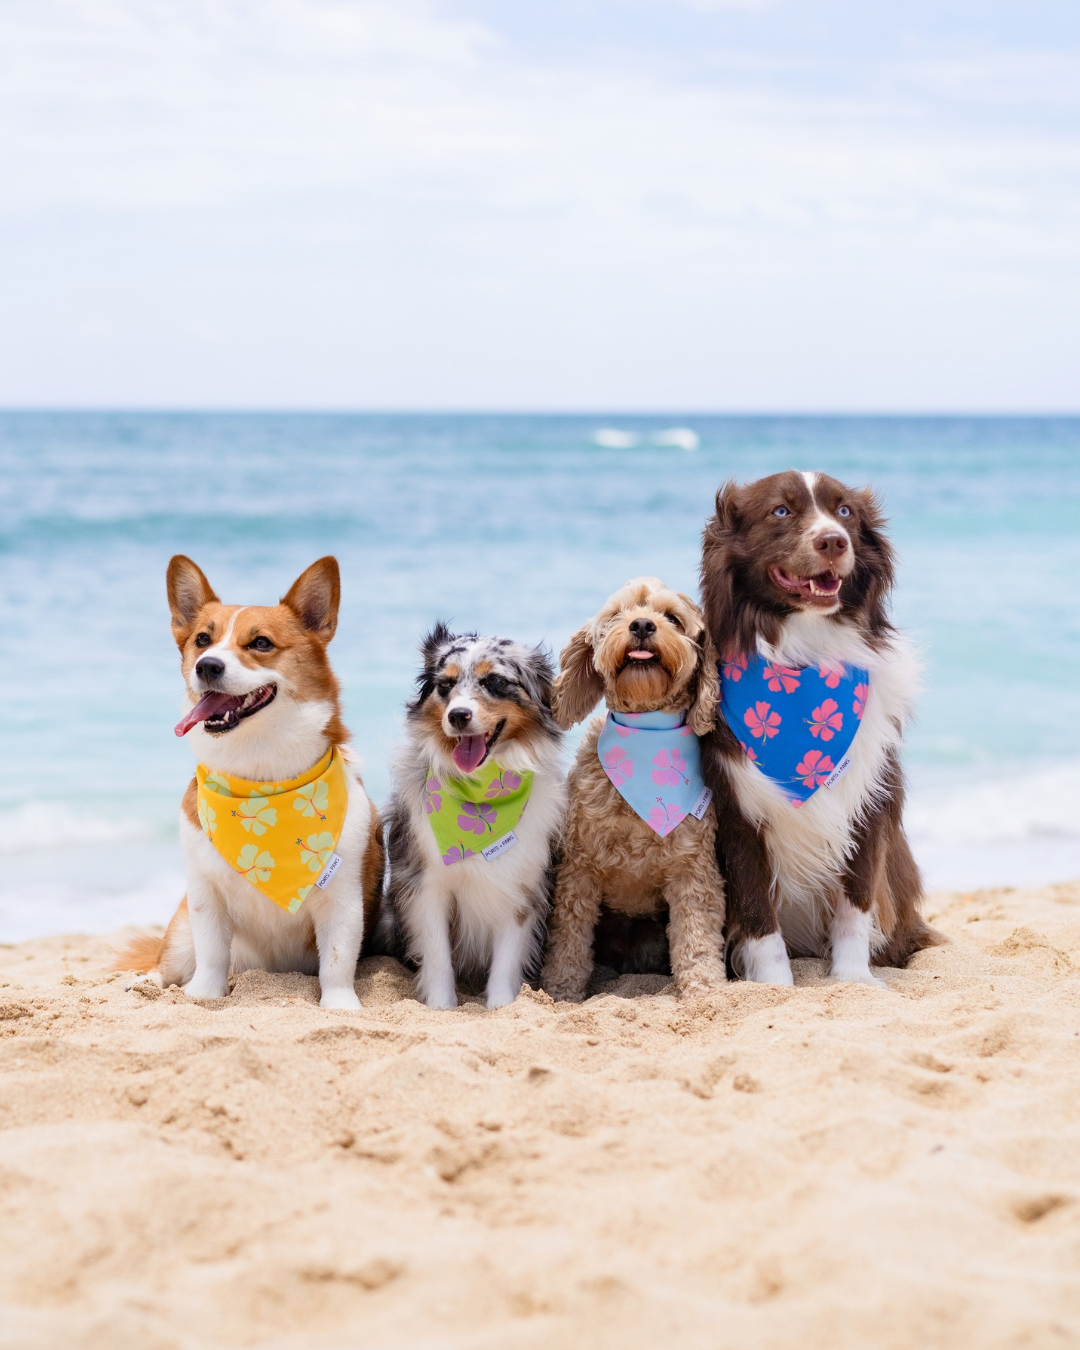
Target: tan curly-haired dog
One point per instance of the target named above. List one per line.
(646, 651)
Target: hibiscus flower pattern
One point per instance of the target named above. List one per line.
(826, 720)
(315, 851)
(814, 768)
(312, 799)
(457, 853)
(862, 692)
(618, 766)
(503, 785)
(302, 893)
(207, 817)
(734, 667)
(218, 783)
(779, 677)
(670, 768)
(432, 795)
(477, 818)
(255, 814)
(665, 816)
(831, 675)
(762, 721)
(254, 863)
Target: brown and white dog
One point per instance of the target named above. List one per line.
(262, 704)
(480, 701)
(796, 568)
(645, 651)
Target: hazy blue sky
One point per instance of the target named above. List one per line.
(670, 204)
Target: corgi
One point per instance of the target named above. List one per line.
(283, 847)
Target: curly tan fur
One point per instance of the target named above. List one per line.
(610, 856)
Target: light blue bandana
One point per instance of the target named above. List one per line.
(654, 763)
(797, 726)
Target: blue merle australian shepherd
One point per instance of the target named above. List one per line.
(475, 817)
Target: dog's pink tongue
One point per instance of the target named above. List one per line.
(206, 707)
(469, 752)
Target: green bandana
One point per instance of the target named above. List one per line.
(476, 814)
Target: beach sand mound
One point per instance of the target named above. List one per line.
(824, 1166)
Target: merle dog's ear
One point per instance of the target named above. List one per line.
(433, 642)
(579, 687)
(188, 590)
(702, 716)
(540, 677)
(314, 598)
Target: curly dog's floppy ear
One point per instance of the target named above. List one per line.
(701, 718)
(579, 687)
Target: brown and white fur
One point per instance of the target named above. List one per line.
(646, 651)
(797, 567)
(477, 916)
(280, 717)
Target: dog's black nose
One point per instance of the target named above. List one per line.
(209, 668)
(459, 718)
(832, 544)
(642, 628)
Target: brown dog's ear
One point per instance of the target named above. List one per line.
(579, 687)
(188, 590)
(314, 598)
(702, 716)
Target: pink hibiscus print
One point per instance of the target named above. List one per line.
(457, 854)
(831, 676)
(432, 800)
(859, 706)
(618, 765)
(761, 721)
(670, 768)
(622, 731)
(734, 667)
(827, 720)
(503, 784)
(779, 677)
(665, 816)
(749, 751)
(476, 818)
(814, 768)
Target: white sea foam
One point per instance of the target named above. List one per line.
(680, 438)
(610, 438)
(38, 825)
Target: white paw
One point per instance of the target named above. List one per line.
(765, 960)
(204, 989)
(441, 1000)
(499, 998)
(856, 975)
(341, 1000)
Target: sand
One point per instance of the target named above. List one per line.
(828, 1166)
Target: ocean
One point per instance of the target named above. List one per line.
(508, 524)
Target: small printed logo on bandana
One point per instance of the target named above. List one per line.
(499, 846)
(838, 772)
(702, 804)
(328, 871)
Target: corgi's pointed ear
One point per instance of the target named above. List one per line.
(314, 598)
(188, 591)
(579, 687)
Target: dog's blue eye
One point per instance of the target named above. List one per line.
(781, 511)
(203, 640)
(261, 644)
(844, 511)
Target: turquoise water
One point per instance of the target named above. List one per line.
(518, 525)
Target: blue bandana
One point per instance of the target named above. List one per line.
(654, 763)
(797, 726)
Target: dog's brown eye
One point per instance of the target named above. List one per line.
(261, 644)
(671, 618)
(202, 640)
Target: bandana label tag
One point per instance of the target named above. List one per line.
(326, 875)
(499, 846)
(702, 804)
(838, 772)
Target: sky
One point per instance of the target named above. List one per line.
(684, 205)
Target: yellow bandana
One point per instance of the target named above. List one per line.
(281, 836)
